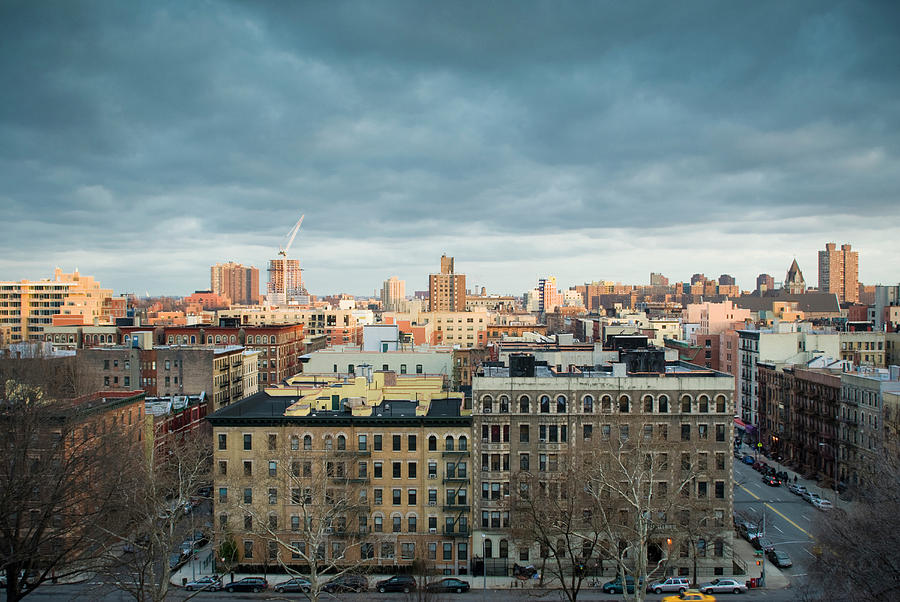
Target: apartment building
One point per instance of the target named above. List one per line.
(391, 451)
(839, 272)
(861, 417)
(447, 290)
(29, 306)
(239, 283)
(349, 360)
(531, 419)
(225, 374)
(279, 346)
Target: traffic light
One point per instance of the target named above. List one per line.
(758, 562)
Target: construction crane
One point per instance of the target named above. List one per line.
(290, 237)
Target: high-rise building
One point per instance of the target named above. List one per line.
(27, 306)
(447, 290)
(658, 279)
(764, 282)
(285, 281)
(393, 294)
(726, 280)
(237, 282)
(839, 272)
(549, 297)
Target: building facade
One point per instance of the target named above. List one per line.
(237, 282)
(839, 272)
(447, 290)
(393, 294)
(533, 421)
(390, 453)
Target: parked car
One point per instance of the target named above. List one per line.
(297, 584)
(780, 559)
(248, 584)
(822, 504)
(771, 481)
(212, 583)
(691, 594)
(346, 583)
(812, 498)
(748, 459)
(723, 586)
(397, 583)
(797, 489)
(450, 584)
(762, 543)
(672, 584)
(615, 586)
(25, 582)
(749, 531)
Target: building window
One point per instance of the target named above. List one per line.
(376, 444)
(307, 442)
(295, 443)
(248, 548)
(248, 442)
(561, 404)
(432, 443)
(223, 441)
(685, 432)
(411, 442)
(524, 404)
(361, 443)
(588, 404)
(624, 404)
(545, 404)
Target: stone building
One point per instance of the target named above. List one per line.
(531, 418)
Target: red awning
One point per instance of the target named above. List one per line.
(740, 423)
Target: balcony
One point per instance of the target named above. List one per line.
(462, 480)
(456, 508)
(456, 533)
(455, 452)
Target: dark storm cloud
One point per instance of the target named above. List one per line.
(151, 139)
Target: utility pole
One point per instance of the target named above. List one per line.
(762, 577)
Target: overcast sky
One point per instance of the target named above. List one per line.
(142, 142)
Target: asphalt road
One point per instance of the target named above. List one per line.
(790, 521)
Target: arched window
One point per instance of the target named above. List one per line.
(588, 404)
(720, 404)
(329, 443)
(258, 339)
(488, 548)
(232, 339)
(342, 442)
(504, 404)
(703, 402)
(463, 442)
(171, 339)
(663, 404)
(218, 339)
(193, 339)
(624, 404)
(307, 442)
(686, 404)
(295, 442)
(524, 404)
(448, 443)
(272, 340)
(487, 404)
(606, 404)
(504, 548)
(432, 443)
(545, 404)
(648, 403)
(209, 339)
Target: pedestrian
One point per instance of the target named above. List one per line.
(795, 479)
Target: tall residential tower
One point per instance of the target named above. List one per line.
(839, 272)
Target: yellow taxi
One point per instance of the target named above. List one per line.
(690, 594)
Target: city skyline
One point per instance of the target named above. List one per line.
(144, 144)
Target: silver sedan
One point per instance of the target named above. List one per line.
(723, 586)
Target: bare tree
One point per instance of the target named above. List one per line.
(856, 550)
(313, 520)
(159, 498)
(61, 483)
(612, 502)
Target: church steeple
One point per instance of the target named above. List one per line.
(794, 282)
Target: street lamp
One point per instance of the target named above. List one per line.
(484, 559)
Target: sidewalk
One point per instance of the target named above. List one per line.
(775, 579)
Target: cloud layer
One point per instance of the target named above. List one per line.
(585, 140)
